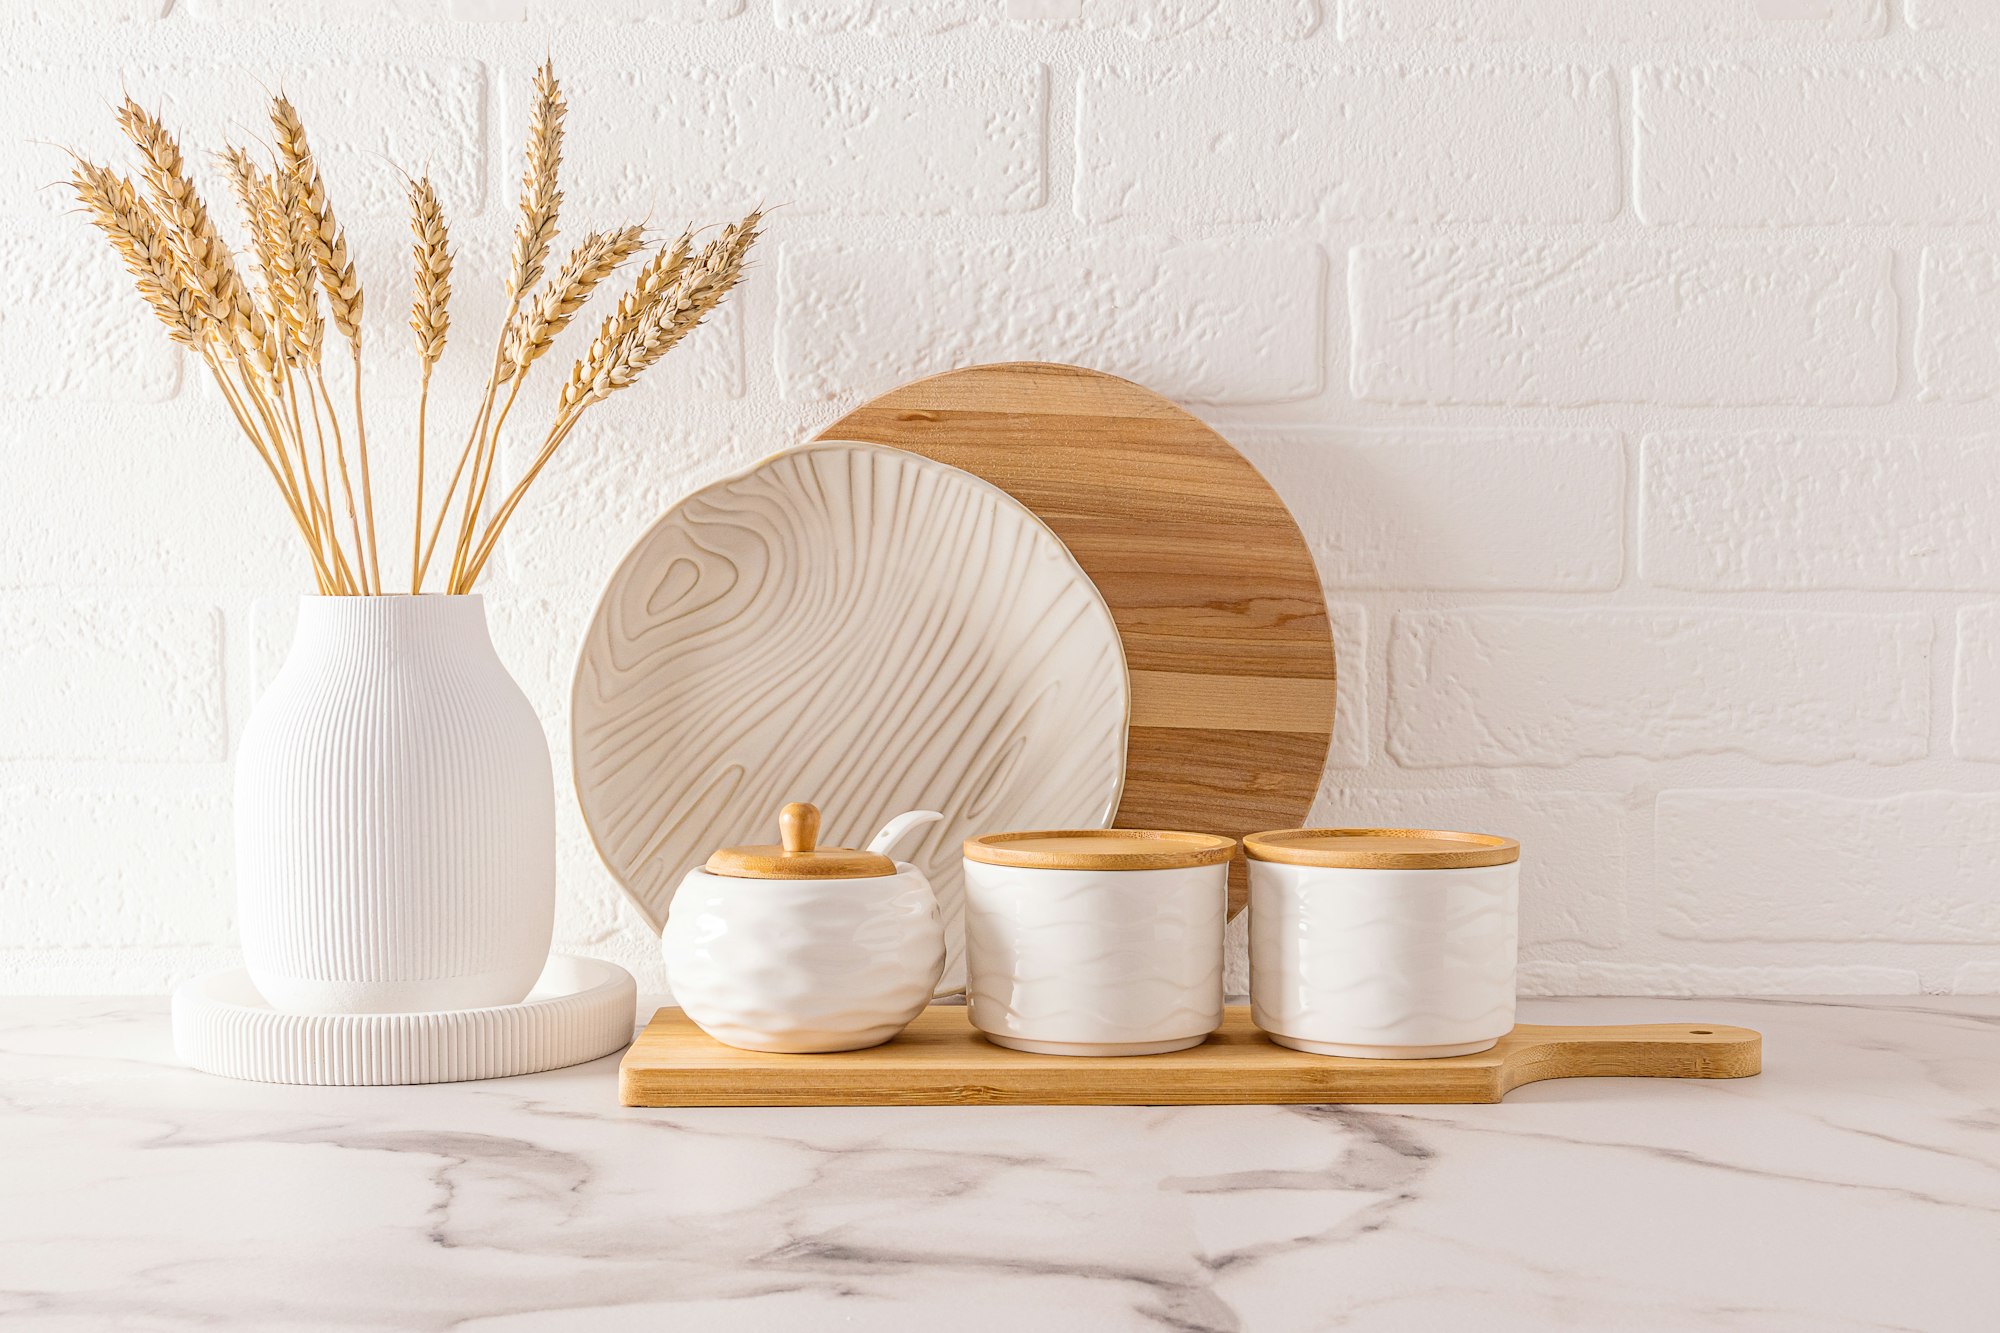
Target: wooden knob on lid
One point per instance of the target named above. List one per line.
(798, 826)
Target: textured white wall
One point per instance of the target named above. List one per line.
(1628, 363)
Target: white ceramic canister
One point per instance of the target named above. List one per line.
(1095, 941)
(395, 816)
(1394, 944)
(799, 948)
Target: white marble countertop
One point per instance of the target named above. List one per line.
(1854, 1185)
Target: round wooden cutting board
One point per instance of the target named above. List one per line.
(1207, 577)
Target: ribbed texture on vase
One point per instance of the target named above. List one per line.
(1384, 957)
(858, 627)
(395, 815)
(580, 1010)
(1089, 956)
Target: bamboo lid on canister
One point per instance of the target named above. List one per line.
(1381, 848)
(1100, 849)
(799, 856)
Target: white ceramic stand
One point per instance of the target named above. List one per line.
(580, 1009)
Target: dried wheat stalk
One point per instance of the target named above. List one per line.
(534, 233)
(261, 329)
(337, 276)
(114, 207)
(204, 261)
(342, 287)
(541, 193)
(272, 246)
(430, 321)
(535, 329)
(672, 312)
(295, 281)
(295, 275)
(141, 240)
(531, 333)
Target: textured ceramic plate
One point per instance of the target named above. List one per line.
(579, 1010)
(857, 627)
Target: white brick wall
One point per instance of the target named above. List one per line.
(1757, 146)
(1718, 24)
(1576, 323)
(1958, 323)
(1819, 511)
(1515, 509)
(1629, 365)
(1404, 145)
(1233, 321)
(1504, 686)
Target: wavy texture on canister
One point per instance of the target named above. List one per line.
(1095, 956)
(1384, 957)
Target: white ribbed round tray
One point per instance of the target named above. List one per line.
(580, 1009)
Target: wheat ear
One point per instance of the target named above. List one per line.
(311, 218)
(673, 313)
(341, 284)
(236, 328)
(430, 321)
(337, 276)
(285, 249)
(113, 205)
(590, 263)
(292, 228)
(541, 192)
(657, 275)
(534, 233)
(272, 246)
(189, 231)
(140, 240)
(534, 330)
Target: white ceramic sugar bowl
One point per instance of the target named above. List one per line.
(801, 948)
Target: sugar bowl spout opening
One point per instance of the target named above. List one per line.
(893, 832)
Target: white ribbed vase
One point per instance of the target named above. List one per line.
(395, 816)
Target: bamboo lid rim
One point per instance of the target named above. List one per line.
(1381, 848)
(1068, 849)
(799, 856)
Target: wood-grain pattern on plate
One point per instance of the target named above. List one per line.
(940, 1060)
(853, 626)
(1211, 583)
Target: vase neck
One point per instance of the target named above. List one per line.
(397, 626)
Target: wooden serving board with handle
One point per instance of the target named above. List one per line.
(941, 1060)
(1210, 583)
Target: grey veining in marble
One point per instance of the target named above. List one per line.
(1855, 1185)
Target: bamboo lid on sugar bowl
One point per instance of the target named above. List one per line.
(798, 854)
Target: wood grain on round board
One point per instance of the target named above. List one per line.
(1210, 582)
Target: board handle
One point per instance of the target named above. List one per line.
(1633, 1050)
